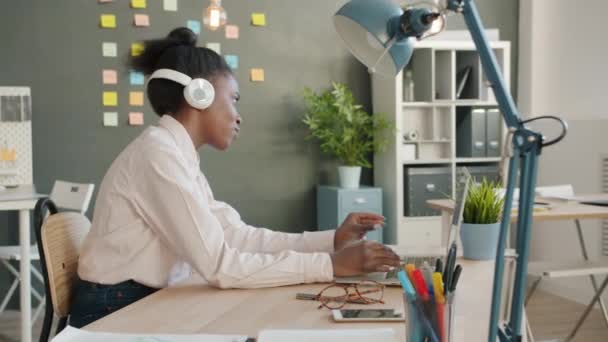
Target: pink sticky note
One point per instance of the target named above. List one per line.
(109, 76)
(136, 118)
(141, 20)
(232, 32)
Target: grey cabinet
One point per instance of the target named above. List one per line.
(335, 203)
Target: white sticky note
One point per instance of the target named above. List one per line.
(110, 119)
(109, 49)
(170, 5)
(217, 47)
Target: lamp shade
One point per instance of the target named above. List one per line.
(367, 28)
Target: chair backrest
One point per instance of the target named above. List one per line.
(62, 235)
(72, 196)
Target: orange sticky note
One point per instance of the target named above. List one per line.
(108, 21)
(136, 98)
(257, 75)
(258, 19)
(138, 3)
(232, 32)
(137, 49)
(109, 76)
(141, 20)
(110, 98)
(136, 118)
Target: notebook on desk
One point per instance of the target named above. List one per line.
(419, 255)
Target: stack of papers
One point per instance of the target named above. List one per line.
(70, 334)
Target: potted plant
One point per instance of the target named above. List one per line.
(481, 221)
(344, 130)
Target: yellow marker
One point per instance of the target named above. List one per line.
(137, 49)
(438, 288)
(409, 269)
(108, 21)
(258, 19)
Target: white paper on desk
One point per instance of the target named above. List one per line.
(70, 334)
(328, 335)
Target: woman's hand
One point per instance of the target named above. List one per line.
(363, 257)
(354, 228)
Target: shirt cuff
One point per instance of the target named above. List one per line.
(318, 268)
(322, 241)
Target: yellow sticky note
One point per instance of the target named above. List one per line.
(257, 75)
(136, 118)
(109, 76)
(110, 98)
(136, 98)
(258, 19)
(108, 21)
(141, 20)
(138, 3)
(137, 49)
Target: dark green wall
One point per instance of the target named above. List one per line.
(269, 174)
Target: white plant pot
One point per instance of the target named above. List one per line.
(349, 176)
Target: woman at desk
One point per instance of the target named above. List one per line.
(156, 219)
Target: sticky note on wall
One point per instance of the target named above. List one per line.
(136, 78)
(109, 49)
(194, 25)
(232, 32)
(110, 119)
(110, 98)
(217, 47)
(141, 20)
(258, 19)
(108, 21)
(136, 98)
(232, 61)
(257, 75)
(170, 5)
(137, 49)
(109, 76)
(138, 3)
(136, 118)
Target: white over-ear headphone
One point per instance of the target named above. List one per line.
(198, 92)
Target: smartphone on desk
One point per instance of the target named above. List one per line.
(367, 315)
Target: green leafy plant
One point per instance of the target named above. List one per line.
(483, 204)
(343, 128)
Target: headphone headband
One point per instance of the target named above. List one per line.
(172, 75)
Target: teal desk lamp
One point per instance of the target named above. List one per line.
(382, 34)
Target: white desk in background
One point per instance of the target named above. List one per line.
(23, 199)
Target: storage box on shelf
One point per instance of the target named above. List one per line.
(448, 87)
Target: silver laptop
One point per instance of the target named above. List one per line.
(425, 253)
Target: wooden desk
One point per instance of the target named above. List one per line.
(201, 309)
(23, 199)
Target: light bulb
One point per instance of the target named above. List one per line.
(214, 16)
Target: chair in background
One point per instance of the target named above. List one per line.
(59, 237)
(65, 195)
(542, 270)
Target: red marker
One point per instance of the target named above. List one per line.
(420, 285)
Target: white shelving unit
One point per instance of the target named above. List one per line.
(435, 65)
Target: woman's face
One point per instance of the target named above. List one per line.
(221, 121)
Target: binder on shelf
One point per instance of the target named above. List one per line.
(493, 122)
(471, 132)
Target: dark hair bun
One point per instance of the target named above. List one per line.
(183, 36)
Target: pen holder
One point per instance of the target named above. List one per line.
(421, 317)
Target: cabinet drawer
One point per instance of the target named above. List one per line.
(361, 201)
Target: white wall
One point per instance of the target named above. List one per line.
(564, 71)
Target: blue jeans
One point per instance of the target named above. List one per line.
(93, 301)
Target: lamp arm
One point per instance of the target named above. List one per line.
(527, 146)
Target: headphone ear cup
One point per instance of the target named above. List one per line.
(199, 93)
